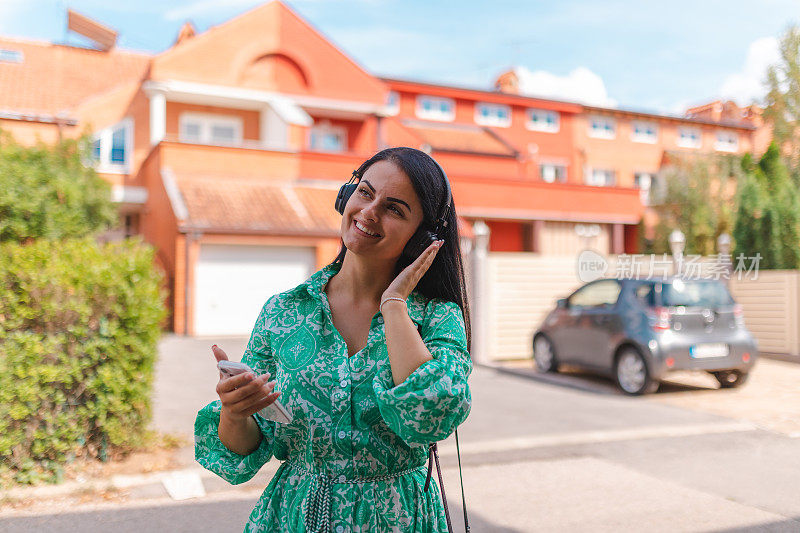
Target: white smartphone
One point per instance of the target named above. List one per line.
(274, 411)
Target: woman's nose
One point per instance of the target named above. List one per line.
(370, 211)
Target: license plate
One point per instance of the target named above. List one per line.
(704, 351)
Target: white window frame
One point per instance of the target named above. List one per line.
(542, 125)
(393, 103)
(207, 122)
(644, 192)
(686, 142)
(493, 119)
(106, 136)
(590, 177)
(643, 137)
(325, 127)
(726, 145)
(552, 164)
(604, 133)
(437, 113)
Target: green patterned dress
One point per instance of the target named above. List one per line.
(353, 457)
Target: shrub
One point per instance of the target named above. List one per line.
(48, 192)
(79, 325)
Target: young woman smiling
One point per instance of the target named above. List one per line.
(370, 356)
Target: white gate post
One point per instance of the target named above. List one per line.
(480, 300)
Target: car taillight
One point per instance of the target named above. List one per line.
(738, 315)
(662, 318)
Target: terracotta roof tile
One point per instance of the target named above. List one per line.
(467, 138)
(249, 205)
(54, 78)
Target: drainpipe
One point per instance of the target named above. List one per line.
(191, 236)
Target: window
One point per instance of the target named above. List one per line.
(493, 115)
(392, 103)
(646, 294)
(727, 141)
(543, 120)
(325, 137)
(10, 56)
(111, 147)
(643, 181)
(600, 294)
(602, 127)
(204, 128)
(689, 137)
(552, 172)
(644, 132)
(601, 177)
(436, 108)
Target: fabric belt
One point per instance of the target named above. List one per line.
(317, 506)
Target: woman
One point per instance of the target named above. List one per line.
(370, 356)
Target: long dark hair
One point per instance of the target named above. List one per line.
(445, 277)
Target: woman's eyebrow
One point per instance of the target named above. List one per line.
(398, 200)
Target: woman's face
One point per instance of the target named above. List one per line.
(386, 206)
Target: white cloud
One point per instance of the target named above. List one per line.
(580, 85)
(747, 85)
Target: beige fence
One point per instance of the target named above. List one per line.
(771, 306)
(523, 287)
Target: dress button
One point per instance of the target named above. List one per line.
(342, 434)
(343, 384)
(341, 480)
(339, 529)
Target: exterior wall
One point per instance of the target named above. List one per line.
(186, 158)
(250, 119)
(628, 157)
(30, 133)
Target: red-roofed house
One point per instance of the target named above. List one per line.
(226, 151)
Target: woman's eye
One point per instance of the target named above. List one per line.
(363, 192)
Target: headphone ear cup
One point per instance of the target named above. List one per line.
(418, 243)
(345, 192)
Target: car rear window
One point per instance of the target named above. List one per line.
(695, 294)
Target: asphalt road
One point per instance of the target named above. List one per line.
(540, 453)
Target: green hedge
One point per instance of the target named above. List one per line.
(79, 325)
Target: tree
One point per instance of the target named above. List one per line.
(768, 213)
(694, 194)
(783, 97)
(49, 192)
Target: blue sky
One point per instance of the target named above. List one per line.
(654, 55)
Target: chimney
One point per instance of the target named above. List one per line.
(507, 82)
(186, 32)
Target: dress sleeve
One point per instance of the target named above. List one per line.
(208, 449)
(435, 399)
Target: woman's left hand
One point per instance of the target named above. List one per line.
(405, 282)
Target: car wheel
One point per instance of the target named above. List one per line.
(543, 355)
(729, 379)
(632, 374)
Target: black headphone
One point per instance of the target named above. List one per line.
(423, 237)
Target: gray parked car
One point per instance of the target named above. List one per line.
(638, 330)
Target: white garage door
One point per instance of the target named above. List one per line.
(232, 282)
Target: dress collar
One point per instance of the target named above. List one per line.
(415, 303)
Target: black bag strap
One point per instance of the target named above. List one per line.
(433, 457)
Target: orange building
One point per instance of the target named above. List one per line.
(226, 151)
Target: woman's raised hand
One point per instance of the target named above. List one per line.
(244, 394)
(406, 280)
